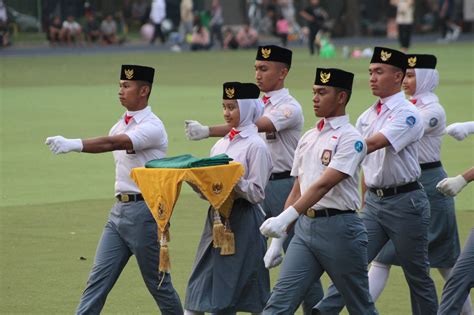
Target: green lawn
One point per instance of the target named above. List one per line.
(53, 208)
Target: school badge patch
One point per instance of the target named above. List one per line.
(358, 146)
(411, 121)
(326, 157)
(433, 122)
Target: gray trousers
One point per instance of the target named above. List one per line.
(276, 193)
(130, 230)
(337, 245)
(460, 281)
(404, 219)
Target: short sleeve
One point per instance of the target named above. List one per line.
(351, 150)
(285, 116)
(148, 135)
(402, 128)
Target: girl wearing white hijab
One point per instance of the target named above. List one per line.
(239, 282)
(420, 81)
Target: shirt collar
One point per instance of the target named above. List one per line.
(336, 122)
(245, 131)
(426, 98)
(140, 114)
(276, 96)
(392, 100)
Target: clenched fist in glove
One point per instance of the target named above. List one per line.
(451, 186)
(196, 131)
(276, 226)
(273, 256)
(459, 131)
(59, 144)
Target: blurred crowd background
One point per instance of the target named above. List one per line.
(228, 24)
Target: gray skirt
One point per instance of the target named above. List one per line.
(235, 283)
(443, 238)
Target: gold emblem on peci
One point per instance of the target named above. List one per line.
(385, 55)
(230, 92)
(325, 77)
(412, 61)
(128, 73)
(266, 52)
(217, 188)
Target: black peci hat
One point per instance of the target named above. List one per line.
(137, 73)
(334, 77)
(421, 61)
(240, 91)
(390, 57)
(274, 53)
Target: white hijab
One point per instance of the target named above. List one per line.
(250, 111)
(426, 81)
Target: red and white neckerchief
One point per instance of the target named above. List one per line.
(233, 132)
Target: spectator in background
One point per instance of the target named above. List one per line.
(254, 13)
(392, 31)
(247, 37)
(157, 15)
(71, 31)
(200, 39)
(54, 30)
(230, 41)
(267, 24)
(216, 22)
(186, 24)
(449, 29)
(315, 16)
(92, 29)
(139, 8)
(127, 14)
(405, 14)
(108, 28)
(282, 29)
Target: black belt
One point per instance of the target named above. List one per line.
(129, 197)
(387, 192)
(427, 166)
(328, 212)
(282, 175)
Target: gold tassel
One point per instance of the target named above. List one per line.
(228, 242)
(217, 230)
(165, 265)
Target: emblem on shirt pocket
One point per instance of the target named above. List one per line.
(270, 135)
(433, 122)
(326, 157)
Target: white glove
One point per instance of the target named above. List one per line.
(459, 131)
(276, 226)
(59, 144)
(273, 256)
(451, 186)
(196, 131)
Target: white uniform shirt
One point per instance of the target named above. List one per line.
(400, 122)
(158, 11)
(149, 140)
(434, 123)
(251, 151)
(338, 146)
(286, 115)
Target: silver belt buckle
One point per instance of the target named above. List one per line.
(379, 193)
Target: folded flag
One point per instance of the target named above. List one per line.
(188, 161)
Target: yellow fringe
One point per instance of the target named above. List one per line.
(165, 265)
(228, 244)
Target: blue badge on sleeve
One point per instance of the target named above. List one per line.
(411, 121)
(358, 146)
(433, 122)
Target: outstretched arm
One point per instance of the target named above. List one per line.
(59, 144)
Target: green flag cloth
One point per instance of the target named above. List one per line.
(188, 161)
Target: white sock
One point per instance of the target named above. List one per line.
(467, 306)
(187, 312)
(378, 276)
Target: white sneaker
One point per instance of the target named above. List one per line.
(456, 32)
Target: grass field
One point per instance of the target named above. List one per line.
(53, 208)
